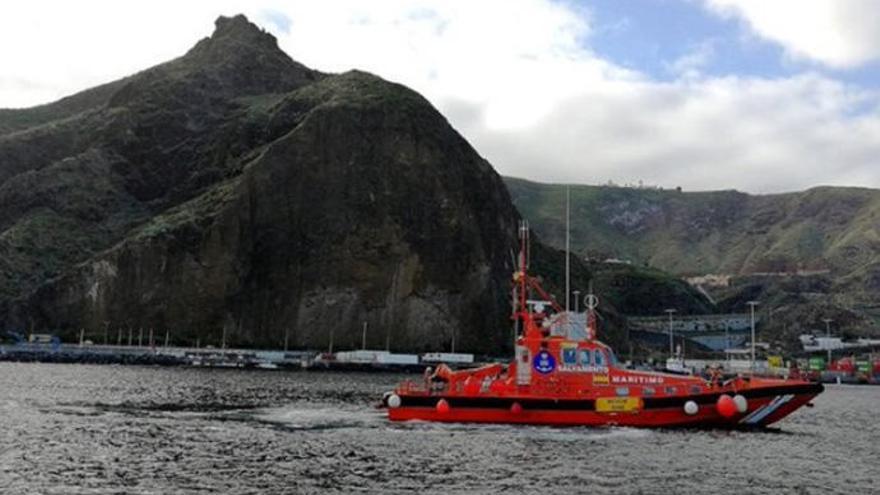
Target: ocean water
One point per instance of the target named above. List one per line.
(79, 429)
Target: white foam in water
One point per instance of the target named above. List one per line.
(579, 434)
(321, 418)
(300, 418)
(533, 432)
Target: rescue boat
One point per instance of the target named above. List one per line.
(569, 378)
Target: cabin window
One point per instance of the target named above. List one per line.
(696, 389)
(671, 390)
(585, 357)
(599, 357)
(612, 358)
(647, 390)
(569, 356)
(622, 391)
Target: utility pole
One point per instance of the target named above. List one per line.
(828, 334)
(364, 337)
(752, 305)
(166, 338)
(141, 337)
(670, 311)
(330, 350)
(577, 295)
(223, 338)
(286, 338)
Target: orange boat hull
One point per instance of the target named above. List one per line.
(765, 406)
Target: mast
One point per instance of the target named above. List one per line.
(567, 246)
(520, 290)
(591, 301)
(523, 264)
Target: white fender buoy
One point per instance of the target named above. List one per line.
(393, 401)
(691, 408)
(742, 405)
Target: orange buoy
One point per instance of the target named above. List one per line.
(497, 386)
(471, 386)
(726, 406)
(515, 408)
(442, 406)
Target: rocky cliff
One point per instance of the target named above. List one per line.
(234, 190)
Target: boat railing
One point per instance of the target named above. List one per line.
(429, 387)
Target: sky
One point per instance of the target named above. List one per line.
(755, 95)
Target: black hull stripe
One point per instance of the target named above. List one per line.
(589, 404)
(498, 403)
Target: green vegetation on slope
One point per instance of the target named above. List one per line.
(832, 233)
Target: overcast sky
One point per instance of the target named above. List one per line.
(757, 95)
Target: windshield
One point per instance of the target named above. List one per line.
(612, 359)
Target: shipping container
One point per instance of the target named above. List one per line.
(817, 364)
(398, 359)
(360, 356)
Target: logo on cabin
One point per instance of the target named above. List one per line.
(544, 362)
(600, 379)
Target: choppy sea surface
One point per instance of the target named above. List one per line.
(80, 429)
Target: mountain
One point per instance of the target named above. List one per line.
(236, 194)
(818, 249)
(233, 190)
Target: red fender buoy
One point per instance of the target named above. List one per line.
(471, 386)
(726, 406)
(442, 406)
(515, 408)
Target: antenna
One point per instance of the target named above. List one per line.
(524, 244)
(591, 302)
(567, 246)
(520, 290)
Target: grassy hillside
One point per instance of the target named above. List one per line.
(825, 228)
(832, 233)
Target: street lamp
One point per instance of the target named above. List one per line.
(727, 343)
(752, 305)
(577, 294)
(671, 345)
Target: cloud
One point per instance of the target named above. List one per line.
(517, 78)
(278, 20)
(750, 134)
(692, 62)
(838, 33)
